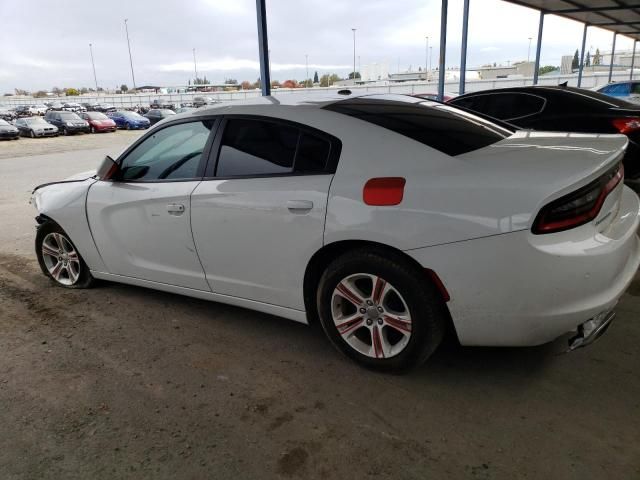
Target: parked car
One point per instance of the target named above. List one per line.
(559, 109)
(73, 107)
(8, 131)
(105, 108)
(55, 106)
(158, 104)
(8, 115)
(67, 122)
(629, 91)
(157, 114)
(129, 120)
(23, 111)
(202, 101)
(184, 109)
(36, 127)
(385, 218)
(91, 106)
(98, 122)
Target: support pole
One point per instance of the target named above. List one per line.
(536, 67)
(613, 53)
(584, 41)
(443, 48)
(263, 44)
(633, 60)
(463, 54)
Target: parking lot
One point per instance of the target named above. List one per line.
(124, 382)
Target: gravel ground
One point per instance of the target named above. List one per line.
(124, 382)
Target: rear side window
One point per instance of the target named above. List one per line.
(252, 147)
(507, 106)
(442, 127)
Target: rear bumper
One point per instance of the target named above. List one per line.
(520, 289)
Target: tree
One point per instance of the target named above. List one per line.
(547, 69)
(575, 63)
(84, 90)
(246, 85)
(56, 90)
(71, 92)
(256, 84)
(231, 81)
(124, 88)
(289, 84)
(40, 94)
(597, 58)
(315, 78)
(20, 91)
(351, 75)
(275, 84)
(308, 83)
(587, 62)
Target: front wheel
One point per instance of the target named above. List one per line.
(59, 259)
(65, 131)
(93, 130)
(380, 310)
(32, 134)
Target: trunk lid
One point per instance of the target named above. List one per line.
(544, 166)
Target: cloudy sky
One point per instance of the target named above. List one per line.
(46, 44)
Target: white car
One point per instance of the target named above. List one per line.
(387, 218)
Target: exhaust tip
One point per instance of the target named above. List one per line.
(591, 330)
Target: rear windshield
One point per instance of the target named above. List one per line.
(447, 129)
(69, 116)
(97, 116)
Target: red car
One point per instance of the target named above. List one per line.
(99, 122)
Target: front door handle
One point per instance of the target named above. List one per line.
(299, 206)
(175, 209)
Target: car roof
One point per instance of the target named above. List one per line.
(304, 100)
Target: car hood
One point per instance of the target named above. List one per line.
(81, 176)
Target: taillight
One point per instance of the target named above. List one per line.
(626, 125)
(579, 207)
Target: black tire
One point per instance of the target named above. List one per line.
(93, 130)
(85, 279)
(32, 134)
(128, 126)
(425, 304)
(65, 132)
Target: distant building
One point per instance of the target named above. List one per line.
(374, 72)
(524, 69)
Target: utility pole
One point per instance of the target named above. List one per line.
(133, 77)
(94, 67)
(195, 65)
(306, 62)
(426, 61)
(354, 55)
(529, 51)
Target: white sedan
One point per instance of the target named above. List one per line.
(386, 218)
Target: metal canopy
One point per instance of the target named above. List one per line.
(618, 16)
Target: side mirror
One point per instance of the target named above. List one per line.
(108, 169)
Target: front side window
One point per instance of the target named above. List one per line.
(172, 153)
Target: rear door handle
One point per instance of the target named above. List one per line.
(299, 206)
(175, 209)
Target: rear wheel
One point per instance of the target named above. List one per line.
(93, 130)
(59, 259)
(32, 134)
(380, 310)
(65, 131)
(128, 126)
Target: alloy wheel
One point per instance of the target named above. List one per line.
(61, 259)
(371, 315)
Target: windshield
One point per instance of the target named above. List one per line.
(69, 116)
(131, 115)
(97, 116)
(4, 123)
(36, 121)
(443, 127)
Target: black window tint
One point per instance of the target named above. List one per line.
(505, 106)
(635, 88)
(445, 128)
(312, 155)
(171, 153)
(465, 102)
(254, 147)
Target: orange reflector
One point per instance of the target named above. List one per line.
(384, 191)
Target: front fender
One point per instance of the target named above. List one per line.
(65, 204)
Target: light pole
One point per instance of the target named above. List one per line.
(94, 67)
(133, 77)
(426, 61)
(430, 57)
(195, 65)
(306, 62)
(529, 51)
(354, 55)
